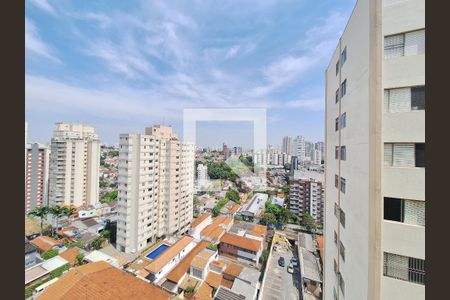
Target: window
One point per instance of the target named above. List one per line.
(336, 209)
(418, 98)
(404, 44)
(343, 153)
(404, 268)
(342, 250)
(420, 155)
(405, 211)
(404, 99)
(344, 88)
(343, 120)
(344, 56)
(337, 96)
(341, 283)
(336, 180)
(335, 267)
(335, 238)
(394, 45)
(343, 185)
(404, 155)
(342, 217)
(336, 125)
(336, 152)
(337, 67)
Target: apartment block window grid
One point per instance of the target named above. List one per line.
(404, 268)
(404, 44)
(405, 99)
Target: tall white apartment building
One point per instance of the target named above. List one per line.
(74, 165)
(307, 196)
(156, 183)
(300, 148)
(374, 164)
(202, 175)
(317, 157)
(36, 176)
(287, 145)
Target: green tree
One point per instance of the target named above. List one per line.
(221, 203)
(309, 222)
(97, 243)
(113, 153)
(268, 218)
(110, 197)
(80, 259)
(105, 233)
(233, 195)
(285, 189)
(212, 247)
(41, 212)
(50, 253)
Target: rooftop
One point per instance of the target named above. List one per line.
(204, 292)
(29, 248)
(241, 242)
(101, 281)
(201, 259)
(200, 219)
(183, 266)
(233, 270)
(215, 229)
(213, 279)
(45, 242)
(308, 263)
(170, 253)
(70, 255)
(226, 294)
(306, 241)
(256, 204)
(320, 243)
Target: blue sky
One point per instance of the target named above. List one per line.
(124, 65)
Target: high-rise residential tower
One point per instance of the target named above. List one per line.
(156, 183)
(287, 145)
(374, 164)
(36, 176)
(299, 148)
(202, 175)
(74, 165)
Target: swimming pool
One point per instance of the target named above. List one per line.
(157, 252)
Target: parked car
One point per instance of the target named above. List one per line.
(294, 261)
(290, 269)
(281, 261)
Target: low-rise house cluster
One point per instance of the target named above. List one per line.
(255, 208)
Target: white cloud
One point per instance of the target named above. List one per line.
(232, 52)
(34, 44)
(44, 5)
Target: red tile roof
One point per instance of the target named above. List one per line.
(183, 266)
(45, 243)
(233, 270)
(101, 281)
(70, 255)
(213, 279)
(241, 242)
(200, 219)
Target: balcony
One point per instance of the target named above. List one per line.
(403, 239)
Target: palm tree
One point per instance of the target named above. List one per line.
(41, 212)
(57, 211)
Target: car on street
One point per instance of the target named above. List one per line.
(290, 269)
(281, 261)
(294, 261)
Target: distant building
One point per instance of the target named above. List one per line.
(294, 164)
(287, 146)
(202, 175)
(255, 207)
(307, 196)
(74, 165)
(156, 185)
(243, 249)
(36, 177)
(299, 148)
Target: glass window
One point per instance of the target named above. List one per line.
(337, 67)
(344, 88)
(393, 209)
(336, 152)
(343, 120)
(420, 155)
(343, 153)
(336, 180)
(394, 45)
(344, 56)
(337, 96)
(336, 125)
(343, 185)
(418, 98)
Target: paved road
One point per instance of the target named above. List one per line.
(279, 283)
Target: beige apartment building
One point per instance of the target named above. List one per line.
(74, 165)
(375, 144)
(156, 182)
(36, 176)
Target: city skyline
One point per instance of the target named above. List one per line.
(119, 67)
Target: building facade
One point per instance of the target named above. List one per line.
(299, 148)
(36, 176)
(287, 145)
(74, 165)
(374, 164)
(156, 182)
(307, 196)
(202, 175)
